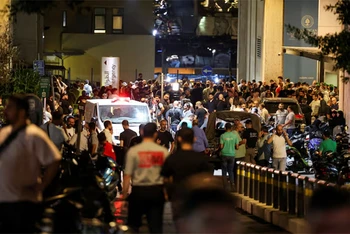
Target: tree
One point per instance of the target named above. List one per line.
(7, 54)
(14, 81)
(336, 44)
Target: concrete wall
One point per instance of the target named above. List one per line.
(327, 21)
(135, 52)
(250, 28)
(273, 40)
(27, 35)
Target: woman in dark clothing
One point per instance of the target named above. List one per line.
(340, 119)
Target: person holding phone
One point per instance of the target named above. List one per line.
(278, 141)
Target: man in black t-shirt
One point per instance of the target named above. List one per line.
(251, 135)
(181, 165)
(200, 113)
(164, 136)
(174, 116)
(126, 135)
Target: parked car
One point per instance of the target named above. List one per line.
(271, 104)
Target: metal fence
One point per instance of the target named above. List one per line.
(286, 191)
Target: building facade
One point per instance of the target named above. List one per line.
(78, 39)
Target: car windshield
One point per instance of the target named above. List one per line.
(117, 113)
(272, 107)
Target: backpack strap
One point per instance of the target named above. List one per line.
(10, 138)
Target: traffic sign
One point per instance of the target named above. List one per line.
(44, 87)
(39, 66)
(207, 71)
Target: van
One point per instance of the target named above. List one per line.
(116, 110)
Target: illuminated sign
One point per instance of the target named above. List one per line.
(110, 70)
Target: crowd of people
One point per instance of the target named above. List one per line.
(174, 148)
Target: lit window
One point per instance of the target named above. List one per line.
(100, 20)
(64, 19)
(117, 20)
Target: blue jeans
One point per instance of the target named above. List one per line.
(227, 166)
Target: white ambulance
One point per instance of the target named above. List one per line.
(116, 110)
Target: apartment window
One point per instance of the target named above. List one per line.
(64, 19)
(100, 20)
(118, 14)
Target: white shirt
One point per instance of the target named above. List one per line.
(56, 134)
(315, 106)
(279, 147)
(70, 133)
(108, 135)
(290, 117)
(88, 89)
(84, 143)
(281, 116)
(264, 114)
(21, 163)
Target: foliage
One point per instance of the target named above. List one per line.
(37, 6)
(336, 44)
(25, 81)
(7, 54)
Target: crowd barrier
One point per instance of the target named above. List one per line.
(285, 191)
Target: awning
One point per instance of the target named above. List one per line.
(55, 67)
(309, 52)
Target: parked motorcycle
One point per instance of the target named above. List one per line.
(298, 158)
(77, 196)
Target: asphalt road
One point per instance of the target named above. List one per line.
(247, 222)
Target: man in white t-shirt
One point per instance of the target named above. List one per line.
(279, 140)
(54, 131)
(108, 131)
(289, 124)
(24, 150)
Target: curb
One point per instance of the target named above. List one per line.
(278, 218)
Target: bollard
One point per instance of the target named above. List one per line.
(275, 193)
(269, 187)
(238, 176)
(310, 185)
(251, 180)
(256, 182)
(262, 185)
(243, 175)
(283, 195)
(292, 188)
(300, 196)
(246, 179)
